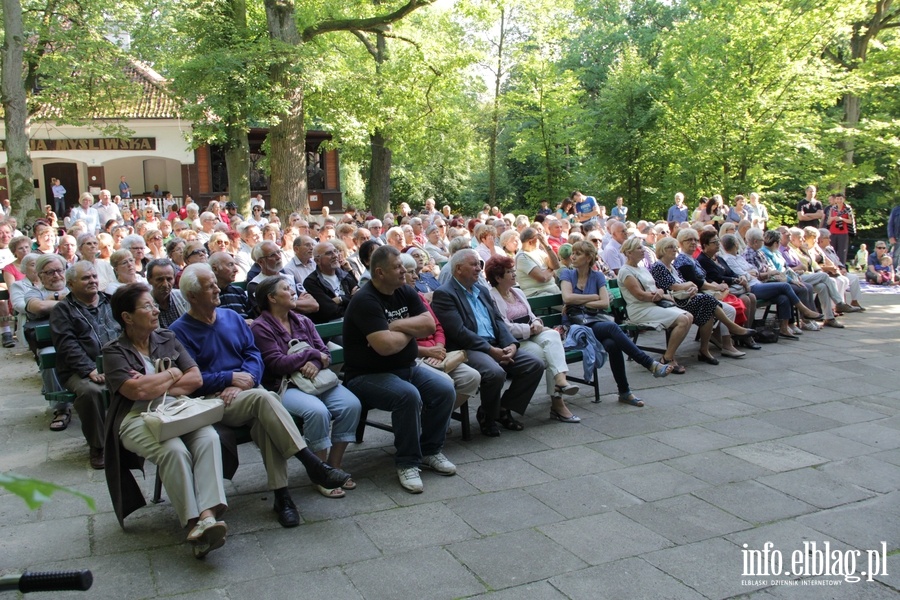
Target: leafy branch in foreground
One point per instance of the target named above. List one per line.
(35, 492)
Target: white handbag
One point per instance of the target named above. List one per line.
(182, 416)
(324, 380)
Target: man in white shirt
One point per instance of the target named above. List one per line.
(612, 254)
(302, 264)
(107, 210)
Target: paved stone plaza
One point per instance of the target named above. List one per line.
(798, 443)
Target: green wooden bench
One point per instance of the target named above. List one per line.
(549, 309)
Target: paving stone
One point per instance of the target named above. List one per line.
(843, 412)
(315, 546)
(116, 576)
(406, 528)
(604, 538)
(560, 435)
(24, 545)
(853, 524)
(620, 579)
(828, 445)
(426, 573)
(798, 420)
(437, 487)
(515, 558)
(845, 591)
(574, 461)
(815, 487)
(716, 467)
(510, 443)
(725, 408)
(748, 429)
(175, 570)
(582, 496)
(871, 434)
(636, 450)
(539, 590)
(502, 474)
(711, 567)
(754, 502)
(654, 481)
(775, 456)
(693, 439)
(501, 512)
(684, 519)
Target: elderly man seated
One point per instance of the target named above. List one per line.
(80, 325)
(268, 256)
(472, 323)
(161, 277)
(221, 343)
(331, 286)
(230, 295)
(302, 263)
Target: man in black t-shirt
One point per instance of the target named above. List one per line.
(381, 324)
(810, 211)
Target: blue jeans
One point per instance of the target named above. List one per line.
(616, 342)
(420, 409)
(781, 293)
(317, 411)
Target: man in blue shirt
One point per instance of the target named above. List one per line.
(677, 213)
(59, 197)
(124, 188)
(222, 344)
(586, 207)
(472, 323)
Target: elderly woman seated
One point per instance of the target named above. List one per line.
(124, 266)
(584, 294)
(811, 272)
(705, 308)
(274, 331)
(762, 253)
(777, 291)
(541, 341)
(190, 466)
(841, 281)
(649, 305)
(536, 265)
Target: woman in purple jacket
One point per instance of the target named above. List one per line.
(273, 331)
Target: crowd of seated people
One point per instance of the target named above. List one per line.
(226, 298)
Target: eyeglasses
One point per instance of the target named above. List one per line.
(52, 272)
(329, 253)
(275, 254)
(714, 241)
(148, 307)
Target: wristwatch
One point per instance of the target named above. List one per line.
(56, 296)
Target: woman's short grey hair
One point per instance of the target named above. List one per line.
(753, 234)
(191, 207)
(729, 242)
(431, 229)
(683, 234)
(28, 259)
(116, 258)
(823, 233)
(84, 237)
(132, 240)
(190, 278)
(664, 244)
(408, 261)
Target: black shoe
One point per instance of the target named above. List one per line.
(330, 477)
(488, 428)
(8, 340)
(288, 515)
(708, 359)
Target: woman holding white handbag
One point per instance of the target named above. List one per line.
(294, 353)
(190, 466)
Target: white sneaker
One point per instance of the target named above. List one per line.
(810, 326)
(439, 463)
(410, 480)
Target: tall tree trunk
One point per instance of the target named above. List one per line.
(19, 170)
(495, 115)
(379, 142)
(287, 139)
(237, 161)
(380, 175)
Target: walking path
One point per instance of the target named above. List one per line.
(798, 445)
